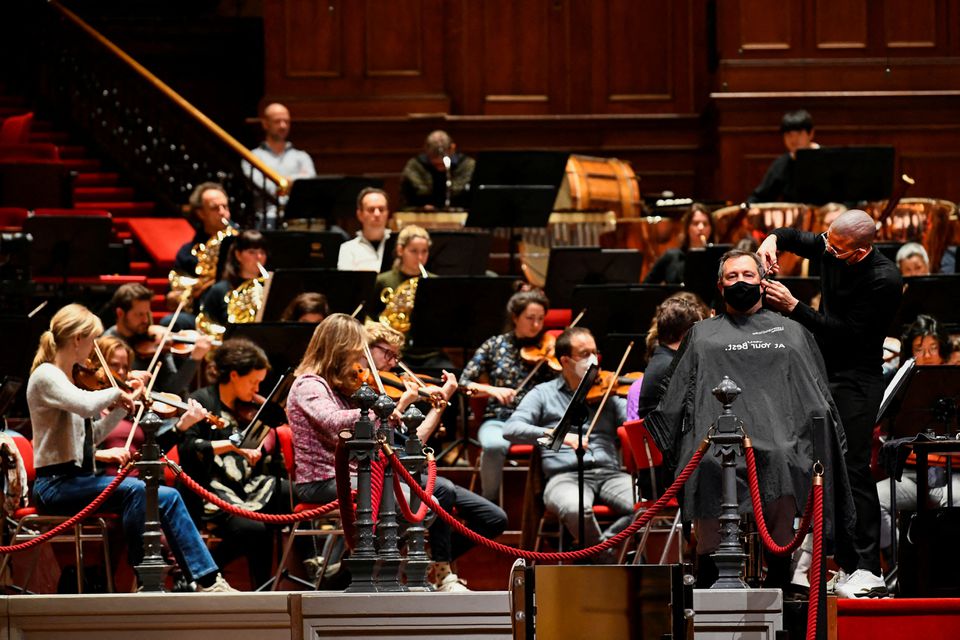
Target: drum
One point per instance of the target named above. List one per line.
(600, 184)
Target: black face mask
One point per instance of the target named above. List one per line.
(741, 296)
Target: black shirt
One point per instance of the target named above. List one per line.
(858, 303)
(653, 375)
(778, 183)
(668, 269)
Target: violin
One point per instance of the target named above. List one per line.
(394, 387)
(621, 384)
(165, 405)
(179, 343)
(542, 352)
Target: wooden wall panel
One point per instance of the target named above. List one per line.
(766, 26)
(840, 25)
(397, 50)
(911, 24)
(313, 39)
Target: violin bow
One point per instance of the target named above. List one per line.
(537, 366)
(606, 393)
(103, 363)
(143, 406)
(357, 310)
(166, 335)
(267, 281)
(420, 383)
(373, 368)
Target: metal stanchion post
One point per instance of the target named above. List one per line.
(417, 564)
(152, 569)
(363, 446)
(387, 572)
(729, 556)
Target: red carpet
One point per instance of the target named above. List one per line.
(919, 619)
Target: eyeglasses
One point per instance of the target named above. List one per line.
(389, 354)
(832, 249)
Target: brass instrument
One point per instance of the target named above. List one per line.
(399, 304)
(205, 273)
(244, 302)
(208, 327)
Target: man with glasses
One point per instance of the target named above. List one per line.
(541, 410)
(861, 292)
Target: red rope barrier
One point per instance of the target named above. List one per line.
(768, 541)
(66, 524)
(636, 526)
(816, 579)
(421, 513)
(377, 467)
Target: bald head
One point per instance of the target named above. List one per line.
(856, 226)
(276, 122)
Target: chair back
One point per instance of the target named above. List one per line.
(646, 454)
(169, 477)
(285, 440)
(26, 453)
(626, 452)
(16, 129)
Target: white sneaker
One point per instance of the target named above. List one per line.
(452, 584)
(838, 578)
(862, 584)
(219, 586)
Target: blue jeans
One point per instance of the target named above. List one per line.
(493, 455)
(67, 495)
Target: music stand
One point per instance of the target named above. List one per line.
(571, 266)
(619, 308)
(700, 268)
(284, 342)
(843, 174)
(925, 398)
(934, 295)
(329, 197)
(459, 253)
(444, 305)
(290, 249)
(69, 246)
(344, 290)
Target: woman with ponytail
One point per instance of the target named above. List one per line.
(68, 422)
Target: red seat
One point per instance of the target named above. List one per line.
(16, 129)
(71, 212)
(12, 217)
(29, 151)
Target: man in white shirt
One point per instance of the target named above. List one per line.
(365, 252)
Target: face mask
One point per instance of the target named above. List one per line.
(741, 296)
(583, 365)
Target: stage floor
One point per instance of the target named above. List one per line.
(249, 616)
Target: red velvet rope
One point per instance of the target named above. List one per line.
(66, 524)
(768, 541)
(377, 467)
(273, 518)
(636, 526)
(816, 579)
(421, 513)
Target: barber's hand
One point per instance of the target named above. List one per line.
(778, 296)
(116, 455)
(768, 254)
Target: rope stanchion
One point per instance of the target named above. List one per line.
(421, 513)
(768, 541)
(619, 538)
(66, 524)
(816, 577)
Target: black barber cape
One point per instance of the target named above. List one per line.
(778, 366)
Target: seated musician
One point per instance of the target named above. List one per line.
(912, 260)
(319, 407)
(776, 363)
(929, 345)
(498, 361)
(236, 475)
(778, 183)
(541, 410)
(673, 319)
(247, 254)
(131, 307)
(67, 424)
(697, 233)
(366, 251)
(306, 307)
(424, 181)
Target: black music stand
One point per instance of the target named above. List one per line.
(330, 197)
(69, 246)
(270, 415)
(843, 174)
(459, 253)
(935, 296)
(575, 413)
(345, 290)
(700, 268)
(292, 249)
(284, 342)
(571, 266)
(459, 312)
(614, 308)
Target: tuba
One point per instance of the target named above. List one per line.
(399, 305)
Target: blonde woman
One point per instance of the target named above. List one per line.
(67, 424)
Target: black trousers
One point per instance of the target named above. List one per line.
(478, 513)
(858, 394)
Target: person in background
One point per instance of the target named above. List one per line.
(778, 183)
(424, 180)
(247, 255)
(307, 307)
(365, 252)
(697, 234)
(912, 260)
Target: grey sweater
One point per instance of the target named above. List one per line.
(57, 412)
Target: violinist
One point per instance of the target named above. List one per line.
(499, 361)
(247, 256)
(236, 475)
(542, 408)
(131, 306)
(68, 422)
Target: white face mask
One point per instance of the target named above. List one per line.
(583, 365)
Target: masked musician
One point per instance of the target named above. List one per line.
(241, 280)
(541, 410)
(67, 424)
(498, 361)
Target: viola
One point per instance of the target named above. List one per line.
(621, 384)
(542, 352)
